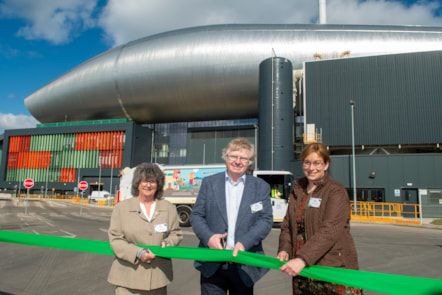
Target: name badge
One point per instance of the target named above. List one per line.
(161, 228)
(314, 202)
(256, 207)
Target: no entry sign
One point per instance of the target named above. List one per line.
(83, 185)
(28, 183)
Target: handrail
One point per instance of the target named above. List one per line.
(365, 211)
(310, 137)
(385, 212)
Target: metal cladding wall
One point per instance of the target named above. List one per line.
(394, 172)
(275, 114)
(398, 99)
(206, 73)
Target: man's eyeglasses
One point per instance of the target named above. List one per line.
(316, 164)
(233, 158)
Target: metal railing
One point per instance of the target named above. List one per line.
(385, 212)
(72, 198)
(365, 211)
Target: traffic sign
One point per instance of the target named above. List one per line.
(28, 183)
(83, 185)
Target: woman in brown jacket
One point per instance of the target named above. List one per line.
(316, 228)
(143, 220)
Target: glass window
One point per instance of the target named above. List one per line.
(367, 194)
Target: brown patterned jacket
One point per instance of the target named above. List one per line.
(327, 228)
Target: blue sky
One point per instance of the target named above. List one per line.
(42, 39)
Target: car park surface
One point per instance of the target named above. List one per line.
(384, 248)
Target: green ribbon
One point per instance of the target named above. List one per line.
(378, 282)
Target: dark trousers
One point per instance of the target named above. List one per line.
(226, 278)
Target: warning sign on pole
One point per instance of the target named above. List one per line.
(28, 183)
(83, 185)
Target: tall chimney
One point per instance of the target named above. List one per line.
(322, 12)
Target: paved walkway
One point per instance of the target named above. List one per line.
(426, 223)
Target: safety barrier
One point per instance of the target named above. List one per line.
(310, 137)
(385, 212)
(364, 211)
(72, 198)
(49, 196)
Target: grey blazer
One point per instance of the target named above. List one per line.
(209, 217)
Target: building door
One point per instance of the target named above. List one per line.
(409, 197)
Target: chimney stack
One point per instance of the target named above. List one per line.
(322, 12)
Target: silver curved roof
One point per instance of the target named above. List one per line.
(206, 73)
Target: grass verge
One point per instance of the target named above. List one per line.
(437, 221)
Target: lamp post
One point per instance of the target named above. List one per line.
(47, 175)
(112, 175)
(352, 104)
(99, 175)
(46, 185)
(256, 145)
(204, 153)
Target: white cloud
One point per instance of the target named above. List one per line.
(132, 19)
(128, 20)
(383, 12)
(11, 121)
(123, 21)
(52, 20)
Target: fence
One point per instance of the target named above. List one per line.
(385, 212)
(364, 211)
(72, 198)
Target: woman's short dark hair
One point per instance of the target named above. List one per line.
(146, 171)
(317, 148)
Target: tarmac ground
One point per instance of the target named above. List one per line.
(408, 250)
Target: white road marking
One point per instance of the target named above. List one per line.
(50, 224)
(69, 235)
(56, 204)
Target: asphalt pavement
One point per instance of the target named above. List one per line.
(28, 270)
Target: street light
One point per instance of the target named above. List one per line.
(99, 174)
(47, 175)
(204, 153)
(352, 104)
(256, 145)
(112, 175)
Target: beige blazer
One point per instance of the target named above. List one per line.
(129, 228)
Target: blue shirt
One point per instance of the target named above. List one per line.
(234, 193)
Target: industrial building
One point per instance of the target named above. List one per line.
(397, 124)
(57, 156)
(183, 110)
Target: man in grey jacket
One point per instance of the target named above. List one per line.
(232, 211)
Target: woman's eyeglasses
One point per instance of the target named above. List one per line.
(316, 164)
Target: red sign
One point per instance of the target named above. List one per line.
(83, 185)
(28, 183)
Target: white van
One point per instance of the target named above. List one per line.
(98, 195)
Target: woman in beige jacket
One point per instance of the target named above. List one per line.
(145, 219)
